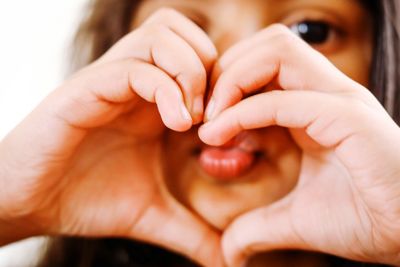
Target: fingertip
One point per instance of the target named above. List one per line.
(198, 120)
(231, 252)
(203, 133)
(184, 123)
(172, 110)
(208, 135)
(197, 240)
(210, 55)
(210, 110)
(211, 253)
(197, 110)
(177, 126)
(185, 115)
(179, 121)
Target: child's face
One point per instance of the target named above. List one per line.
(343, 34)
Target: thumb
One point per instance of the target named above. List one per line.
(264, 229)
(173, 227)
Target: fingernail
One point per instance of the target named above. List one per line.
(205, 125)
(197, 107)
(185, 113)
(210, 109)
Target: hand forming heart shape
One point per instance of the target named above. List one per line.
(346, 201)
(91, 163)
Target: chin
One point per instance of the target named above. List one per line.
(221, 202)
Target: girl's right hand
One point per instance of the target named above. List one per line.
(86, 161)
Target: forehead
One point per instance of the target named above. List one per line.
(269, 10)
(271, 4)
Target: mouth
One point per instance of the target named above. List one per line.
(233, 160)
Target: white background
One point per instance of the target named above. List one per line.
(35, 36)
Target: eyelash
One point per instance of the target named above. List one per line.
(313, 32)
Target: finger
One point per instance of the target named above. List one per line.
(159, 45)
(175, 228)
(316, 112)
(173, 55)
(284, 59)
(156, 30)
(138, 41)
(348, 126)
(242, 48)
(188, 31)
(90, 100)
(264, 229)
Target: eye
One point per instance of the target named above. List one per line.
(313, 32)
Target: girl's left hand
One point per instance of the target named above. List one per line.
(347, 200)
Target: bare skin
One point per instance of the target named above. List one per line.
(341, 182)
(277, 175)
(220, 204)
(92, 158)
(96, 145)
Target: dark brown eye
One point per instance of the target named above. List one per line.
(313, 32)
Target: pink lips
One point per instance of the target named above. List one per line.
(230, 161)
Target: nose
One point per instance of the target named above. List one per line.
(234, 23)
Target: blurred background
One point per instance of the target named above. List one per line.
(34, 43)
(34, 54)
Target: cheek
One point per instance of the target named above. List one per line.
(179, 154)
(355, 62)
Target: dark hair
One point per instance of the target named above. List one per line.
(385, 71)
(106, 23)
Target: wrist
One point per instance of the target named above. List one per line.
(14, 230)
(15, 221)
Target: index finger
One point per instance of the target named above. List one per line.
(189, 31)
(282, 59)
(313, 111)
(177, 23)
(188, 53)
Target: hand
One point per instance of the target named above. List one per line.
(87, 161)
(347, 200)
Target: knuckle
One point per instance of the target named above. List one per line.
(284, 37)
(155, 35)
(358, 107)
(193, 80)
(287, 46)
(210, 57)
(363, 94)
(356, 110)
(155, 30)
(220, 66)
(279, 28)
(163, 15)
(199, 73)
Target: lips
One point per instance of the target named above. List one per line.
(231, 161)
